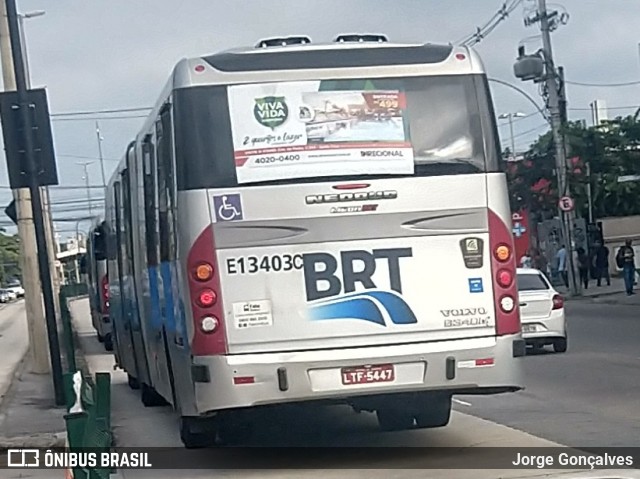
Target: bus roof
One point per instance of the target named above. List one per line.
(310, 61)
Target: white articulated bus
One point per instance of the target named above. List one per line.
(303, 222)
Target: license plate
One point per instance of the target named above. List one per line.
(382, 373)
(528, 328)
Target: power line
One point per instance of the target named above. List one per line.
(532, 130)
(64, 187)
(81, 157)
(101, 112)
(483, 31)
(101, 118)
(607, 85)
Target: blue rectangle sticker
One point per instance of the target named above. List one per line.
(475, 285)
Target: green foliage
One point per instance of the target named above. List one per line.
(611, 150)
(9, 257)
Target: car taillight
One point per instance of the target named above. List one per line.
(503, 271)
(105, 294)
(558, 302)
(209, 337)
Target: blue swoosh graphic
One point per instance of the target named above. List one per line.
(357, 308)
(361, 306)
(399, 311)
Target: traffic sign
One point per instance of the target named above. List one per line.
(566, 203)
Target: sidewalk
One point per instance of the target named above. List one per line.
(613, 294)
(28, 414)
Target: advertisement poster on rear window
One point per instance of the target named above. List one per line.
(293, 130)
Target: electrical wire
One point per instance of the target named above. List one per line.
(606, 85)
(80, 157)
(100, 112)
(101, 118)
(64, 187)
(482, 32)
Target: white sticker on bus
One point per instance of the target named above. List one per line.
(249, 314)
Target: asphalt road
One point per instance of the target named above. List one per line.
(136, 426)
(588, 396)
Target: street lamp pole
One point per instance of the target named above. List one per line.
(510, 117)
(104, 176)
(86, 182)
(52, 248)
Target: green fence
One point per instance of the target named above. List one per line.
(88, 400)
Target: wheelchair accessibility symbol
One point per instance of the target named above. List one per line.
(228, 207)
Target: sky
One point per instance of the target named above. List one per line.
(117, 54)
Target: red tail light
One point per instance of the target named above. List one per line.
(504, 278)
(503, 269)
(207, 298)
(558, 302)
(209, 335)
(105, 294)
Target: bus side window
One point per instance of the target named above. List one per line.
(100, 243)
(119, 243)
(150, 200)
(166, 196)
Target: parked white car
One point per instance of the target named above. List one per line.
(16, 289)
(541, 311)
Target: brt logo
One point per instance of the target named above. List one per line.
(338, 292)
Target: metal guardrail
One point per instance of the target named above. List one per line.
(88, 401)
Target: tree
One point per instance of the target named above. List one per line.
(9, 257)
(611, 150)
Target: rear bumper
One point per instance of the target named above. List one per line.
(316, 375)
(552, 327)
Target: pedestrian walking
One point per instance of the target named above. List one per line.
(625, 258)
(602, 265)
(561, 258)
(583, 267)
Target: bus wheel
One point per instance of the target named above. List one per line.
(394, 419)
(151, 398)
(436, 412)
(133, 382)
(108, 342)
(195, 434)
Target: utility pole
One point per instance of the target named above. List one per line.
(104, 175)
(556, 108)
(38, 347)
(36, 203)
(46, 198)
(540, 68)
(86, 182)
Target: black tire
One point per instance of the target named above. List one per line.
(108, 342)
(150, 397)
(394, 419)
(133, 382)
(195, 435)
(560, 345)
(435, 413)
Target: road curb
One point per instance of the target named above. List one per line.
(594, 296)
(5, 389)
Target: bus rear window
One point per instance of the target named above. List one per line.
(328, 130)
